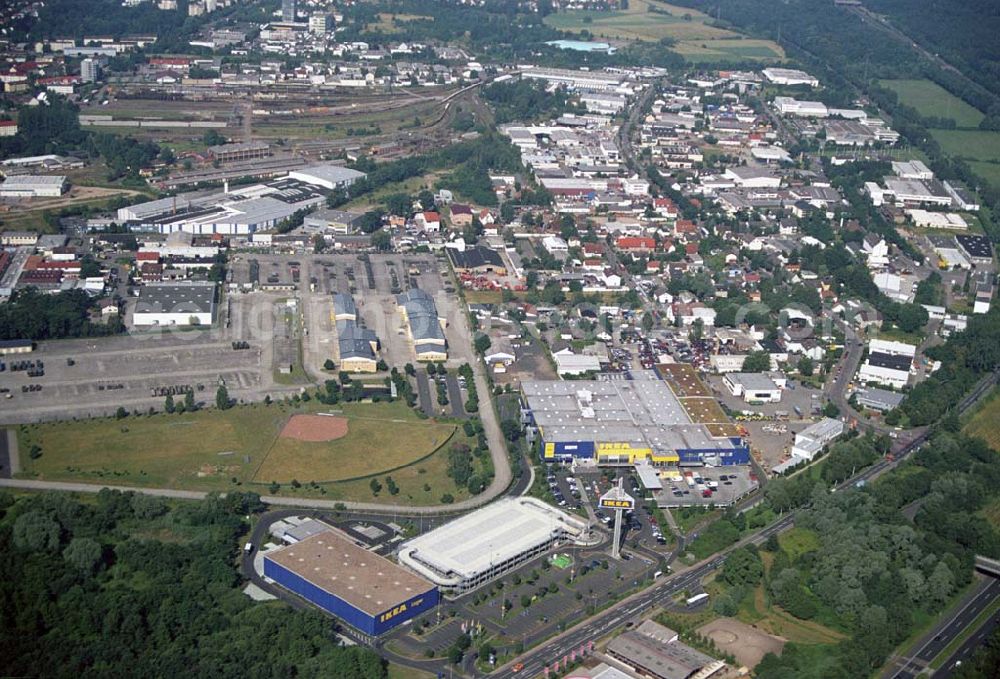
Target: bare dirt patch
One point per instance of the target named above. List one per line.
(315, 428)
(745, 643)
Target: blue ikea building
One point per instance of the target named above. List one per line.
(367, 591)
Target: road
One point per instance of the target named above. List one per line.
(947, 629)
(967, 649)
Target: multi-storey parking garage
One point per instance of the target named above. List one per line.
(484, 545)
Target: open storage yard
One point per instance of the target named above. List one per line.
(213, 450)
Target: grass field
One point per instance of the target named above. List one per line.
(387, 441)
(990, 172)
(701, 51)
(385, 23)
(930, 99)
(982, 424)
(695, 38)
(970, 144)
(212, 450)
(798, 541)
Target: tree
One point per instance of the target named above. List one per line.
(805, 366)
(648, 321)
(212, 138)
(511, 429)
(36, 532)
(222, 401)
(382, 241)
(84, 554)
(121, 413)
(482, 343)
(328, 364)
(743, 567)
(375, 486)
(189, 404)
(757, 362)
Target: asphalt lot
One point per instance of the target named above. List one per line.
(83, 377)
(736, 484)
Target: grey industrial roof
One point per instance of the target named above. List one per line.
(29, 180)
(422, 315)
(355, 341)
(752, 381)
(640, 411)
(882, 399)
(654, 648)
(176, 298)
(630, 403)
(330, 173)
(343, 303)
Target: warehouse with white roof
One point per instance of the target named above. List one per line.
(479, 547)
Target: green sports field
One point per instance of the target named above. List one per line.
(980, 148)
(930, 99)
(241, 448)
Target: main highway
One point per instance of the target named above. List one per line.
(947, 630)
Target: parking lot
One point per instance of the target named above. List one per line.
(570, 487)
(719, 486)
(94, 377)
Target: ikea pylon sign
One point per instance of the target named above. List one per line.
(610, 503)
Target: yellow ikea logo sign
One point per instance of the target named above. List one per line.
(550, 450)
(388, 615)
(617, 504)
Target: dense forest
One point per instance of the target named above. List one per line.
(526, 101)
(469, 164)
(857, 564)
(964, 32)
(127, 585)
(34, 315)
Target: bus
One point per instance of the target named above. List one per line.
(696, 599)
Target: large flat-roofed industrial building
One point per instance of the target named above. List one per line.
(33, 186)
(481, 546)
(363, 589)
(175, 304)
(242, 211)
(622, 422)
